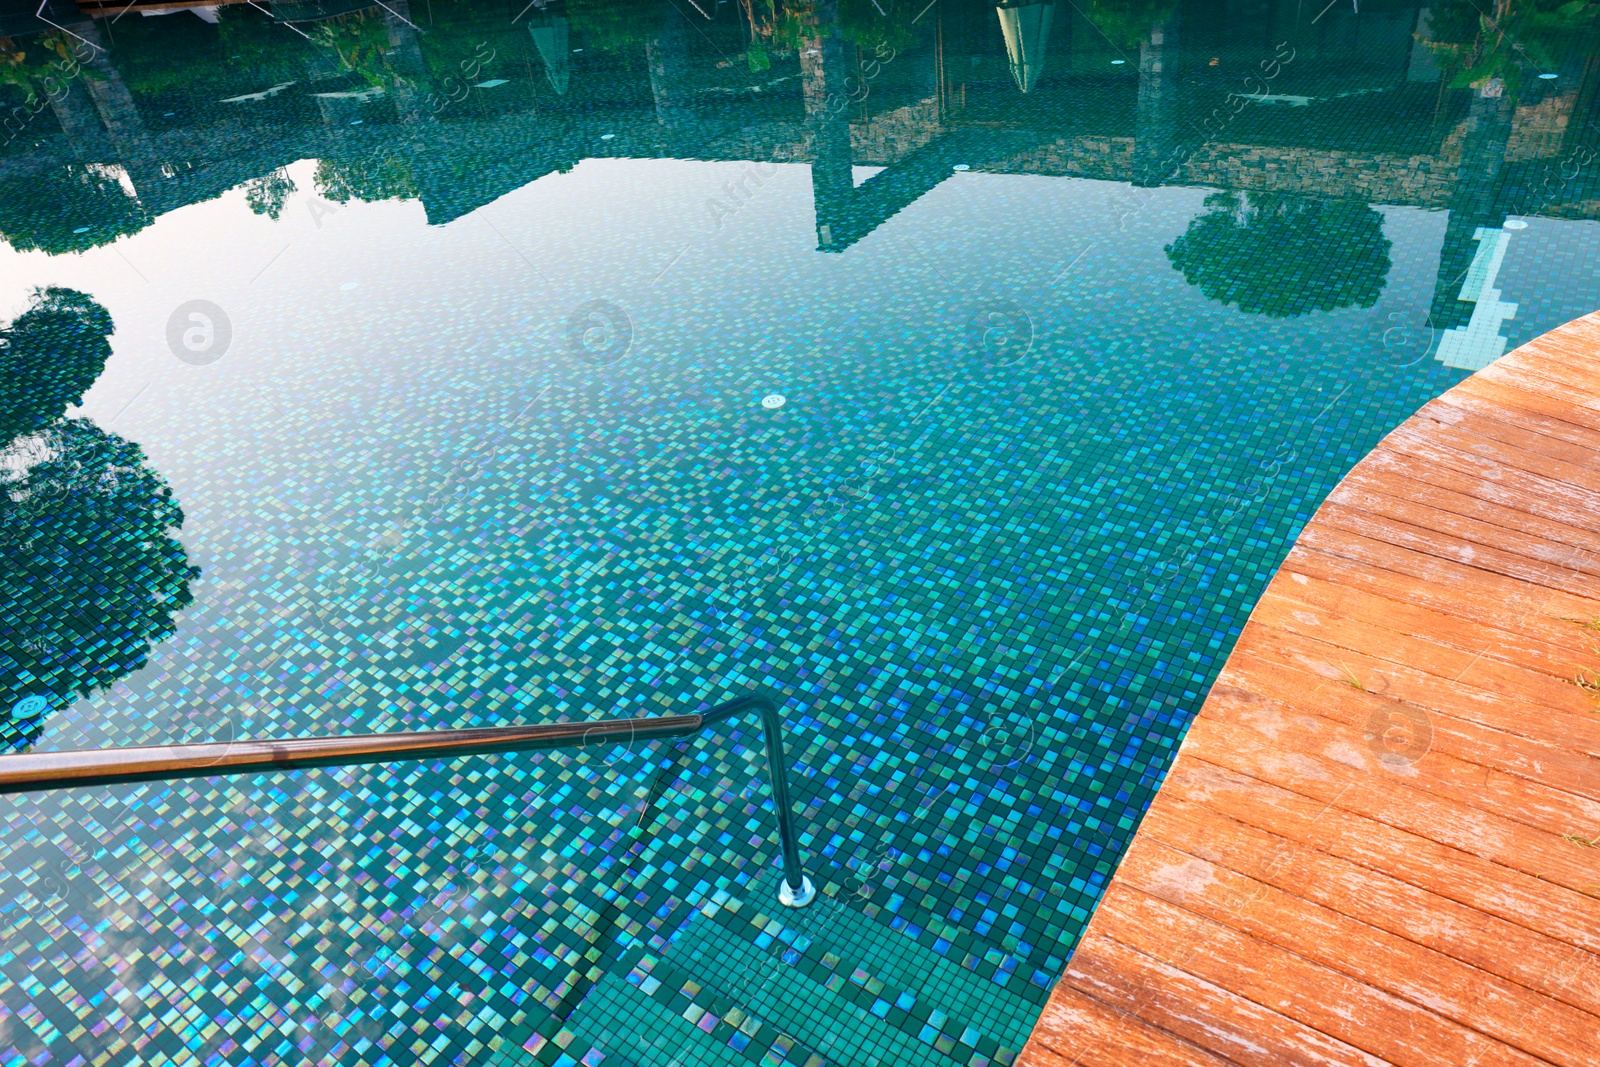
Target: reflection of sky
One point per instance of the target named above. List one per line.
(350, 326)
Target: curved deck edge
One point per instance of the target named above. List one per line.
(1380, 839)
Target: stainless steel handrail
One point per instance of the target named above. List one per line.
(36, 771)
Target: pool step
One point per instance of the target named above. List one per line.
(658, 1016)
(871, 954)
(842, 985)
(744, 978)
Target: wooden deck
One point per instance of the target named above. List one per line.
(1380, 842)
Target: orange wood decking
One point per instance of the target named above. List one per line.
(1380, 842)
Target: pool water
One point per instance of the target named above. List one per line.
(959, 374)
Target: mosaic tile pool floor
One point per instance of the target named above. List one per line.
(461, 364)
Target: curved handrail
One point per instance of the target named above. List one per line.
(35, 771)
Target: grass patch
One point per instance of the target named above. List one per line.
(1355, 683)
(1589, 682)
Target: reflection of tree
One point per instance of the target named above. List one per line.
(1508, 39)
(361, 41)
(68, 208)
(49, 357)
(1279, 255)
(366, 179)
(1126, 23)
(267, 195)
(89, 571)
(862, 23)
(253, 42)
(614, 25)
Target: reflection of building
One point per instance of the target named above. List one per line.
(949, 98)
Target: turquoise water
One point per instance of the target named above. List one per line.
(449, 364)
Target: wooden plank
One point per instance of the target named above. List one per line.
(1202, 1012)
(1527, 598)
(1575, 384)
(1418, 753)
(1502, 483)
(1373, 897)
(1380, 841)
(1548, 710)
(1076, 1030)
(1448, 872)
(1408, 478)
(1367, 791)
(1427, 507)
(1323, 999)
(1506, 609)
(1433, 659)
(1548, 415)
(1574, 445)
(1540, 784)
(1391, 609)
(1554, 573)
(1433, 981)
(1426, 432)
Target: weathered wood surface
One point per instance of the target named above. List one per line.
(1380, 842)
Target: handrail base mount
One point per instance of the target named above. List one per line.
(789, 897)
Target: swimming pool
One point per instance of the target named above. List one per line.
(958, 374)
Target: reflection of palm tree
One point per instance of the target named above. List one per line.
(88, 572)
(35, 66)
(1279, 255)
(1478, 42)
(49, 357)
